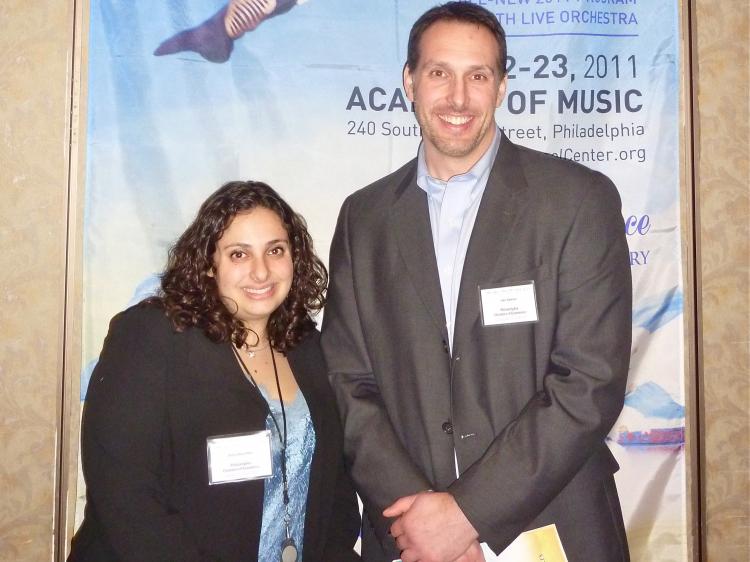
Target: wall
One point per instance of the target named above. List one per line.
(723, 228)
(36, 43)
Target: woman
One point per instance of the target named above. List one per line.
(209, 430)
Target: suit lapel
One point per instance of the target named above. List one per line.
(503, 199)
(410, 221)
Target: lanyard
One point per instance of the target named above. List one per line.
(288, 548)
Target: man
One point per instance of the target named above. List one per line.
(477, 331)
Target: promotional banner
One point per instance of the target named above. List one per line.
(185, 95)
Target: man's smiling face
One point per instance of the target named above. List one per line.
(456, 87)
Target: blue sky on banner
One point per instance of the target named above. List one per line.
(297, 70)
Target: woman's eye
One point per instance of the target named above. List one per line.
(278, 251)
(237, 255)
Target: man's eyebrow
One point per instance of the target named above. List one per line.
(472, 68)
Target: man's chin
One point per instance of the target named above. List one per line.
(456, 149)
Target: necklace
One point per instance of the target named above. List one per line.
(288, 549)
(251, 353)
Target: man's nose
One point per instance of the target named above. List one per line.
(457, 93)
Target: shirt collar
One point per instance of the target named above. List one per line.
(435, 187)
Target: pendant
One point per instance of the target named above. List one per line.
(288, 551)
(251, 353)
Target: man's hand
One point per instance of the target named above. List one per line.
(473, 554)
(430, 527)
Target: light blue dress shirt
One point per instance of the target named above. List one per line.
(453, 209)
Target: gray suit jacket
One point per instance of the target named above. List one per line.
(526, 407)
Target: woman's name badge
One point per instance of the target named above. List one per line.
(239, 457)
(515, 304)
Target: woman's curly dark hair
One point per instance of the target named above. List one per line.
(189, 295)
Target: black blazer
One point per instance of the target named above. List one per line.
(154, 398)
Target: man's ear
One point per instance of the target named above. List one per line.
(501, 89)
(408, 80)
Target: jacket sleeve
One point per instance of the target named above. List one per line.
(123, 429)
(541, 450)
(345, 520)
(381, 467)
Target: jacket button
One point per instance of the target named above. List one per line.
(448, 427)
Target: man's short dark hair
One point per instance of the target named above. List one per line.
(463, 12)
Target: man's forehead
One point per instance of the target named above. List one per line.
(443, 40)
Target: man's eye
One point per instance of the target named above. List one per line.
(438, 73)
(479, 77)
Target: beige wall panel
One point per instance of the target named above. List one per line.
(35, 44)
(723, 184)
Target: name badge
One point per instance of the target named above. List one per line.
(515, 304)
(240, 457)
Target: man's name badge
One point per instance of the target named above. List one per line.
(515, 304)
(240, 457)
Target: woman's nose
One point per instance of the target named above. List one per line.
(259, 270)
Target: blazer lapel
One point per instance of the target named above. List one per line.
(410, 221)
(224, 366)
(503, 199)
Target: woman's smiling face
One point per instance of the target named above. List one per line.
(253, 266)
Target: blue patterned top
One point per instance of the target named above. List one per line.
(300, 447)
